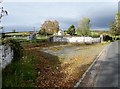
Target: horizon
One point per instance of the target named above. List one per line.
(27, 14)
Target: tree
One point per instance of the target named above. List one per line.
(71, 30)
(113, 29)
(84, 27)
(49, 27)
(14, 31)
(42, 32)
(115, 25)
(118, 22)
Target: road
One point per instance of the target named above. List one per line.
(108, 75)
(105, 72)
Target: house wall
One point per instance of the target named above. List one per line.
(6, 55)
(72, 39)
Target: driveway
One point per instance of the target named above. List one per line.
(65, 52)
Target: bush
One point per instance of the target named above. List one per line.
(107, 38)
(15, 46)
(118, 38)
(95, 36)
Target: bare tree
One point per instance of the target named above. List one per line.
(49, 27)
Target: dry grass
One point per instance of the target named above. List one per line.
(67, 73)
(55, 48)
(79, 64)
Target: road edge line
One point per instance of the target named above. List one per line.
(83, 76)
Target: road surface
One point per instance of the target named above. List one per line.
(105, 72)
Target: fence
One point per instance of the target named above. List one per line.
(73, 39)
(6, 55)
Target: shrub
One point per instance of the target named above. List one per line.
(107, 38)
(95, 36)
(15, 46)
(118, 38)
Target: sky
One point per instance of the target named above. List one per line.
(24, 15)
(60, 0)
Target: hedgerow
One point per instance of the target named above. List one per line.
(15, 46)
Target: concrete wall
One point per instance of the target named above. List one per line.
(6, 55)
(73, 39)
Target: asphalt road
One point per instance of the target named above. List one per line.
(108, 75)
(105, 72)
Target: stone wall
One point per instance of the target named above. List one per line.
(73, 39)
(6, 55)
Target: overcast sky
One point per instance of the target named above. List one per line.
(66, 13)
(60, 0)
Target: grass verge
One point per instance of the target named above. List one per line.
(20, 73)
(39, 69)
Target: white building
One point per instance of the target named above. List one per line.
(59, 33)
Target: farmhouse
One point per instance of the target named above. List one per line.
(59, 33)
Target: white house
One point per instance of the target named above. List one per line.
(59, 33)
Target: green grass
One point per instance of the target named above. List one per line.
(41, 37)
(20, 73)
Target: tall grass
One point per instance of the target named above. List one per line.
(20, 73)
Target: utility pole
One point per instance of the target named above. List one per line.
(34, 30)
